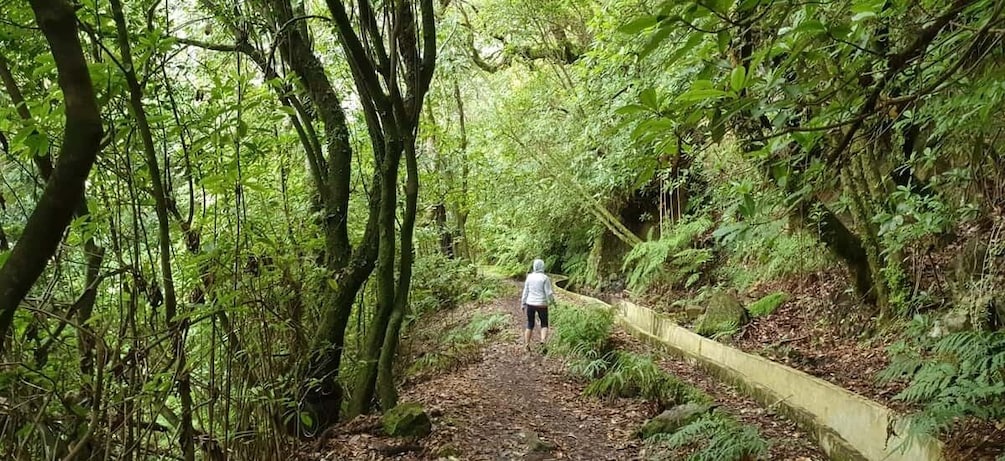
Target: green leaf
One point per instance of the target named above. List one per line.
(738, 78)
(646, 175)
(810, 27)
(721, 6)
(306, 419)
(242, 129)
(840, 31)
(859, 17)
(655, 41)
(692, 41)
(648, 98)
(718, 125)
(638, 25)
(700, 94)
(630, 109)
(723, 38)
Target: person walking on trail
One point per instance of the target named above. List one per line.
(537, 296)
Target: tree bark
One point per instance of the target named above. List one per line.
(363, 391)
(462, 206)
(78, 151)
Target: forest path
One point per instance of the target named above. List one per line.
(520, 405)
(507, 404)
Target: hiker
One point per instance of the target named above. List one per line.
(537, 296)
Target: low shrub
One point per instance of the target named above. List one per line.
(953, 377)
(634, 375)
(443, 283)
(712, 437)
(581, 331)
(459, 345)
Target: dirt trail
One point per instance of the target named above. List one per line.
(490, 410)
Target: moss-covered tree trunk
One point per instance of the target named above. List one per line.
(386, 386)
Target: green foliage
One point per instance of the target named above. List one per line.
(670, 259)
(581, 331)
(956, 376)
(713, 437)
(632, 375)
(767, 304)
(443, 283)
(459, 345)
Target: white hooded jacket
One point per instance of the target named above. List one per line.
(537, 288)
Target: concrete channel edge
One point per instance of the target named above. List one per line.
(847, 426)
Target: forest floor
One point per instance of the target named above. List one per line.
(518, 405)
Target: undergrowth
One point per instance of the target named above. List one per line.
(443, 283)
(957, 376)
(672, 259)
(459, 345)
(712, 437)
(583, 332)
(582, 336)
(637, 376)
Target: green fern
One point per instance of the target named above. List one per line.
(712, 437)
(584, 331)
(671, 258)
(634, 375)
(460, 344)
(591, 365)
(956, 376)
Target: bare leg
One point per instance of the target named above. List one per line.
(544, 335)
(526, 337)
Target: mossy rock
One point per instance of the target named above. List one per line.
(693, 311)
(672, 420)
(723, 314)
(406, 420)
(767, 304)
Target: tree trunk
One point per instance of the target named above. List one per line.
(363, 391)
(462, 207)
(79, 148)
(386, 390)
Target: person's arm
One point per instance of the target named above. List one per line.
(523, 299)
(549, 294)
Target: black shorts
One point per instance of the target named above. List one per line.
(542, 313)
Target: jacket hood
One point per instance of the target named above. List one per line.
(538, 266)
